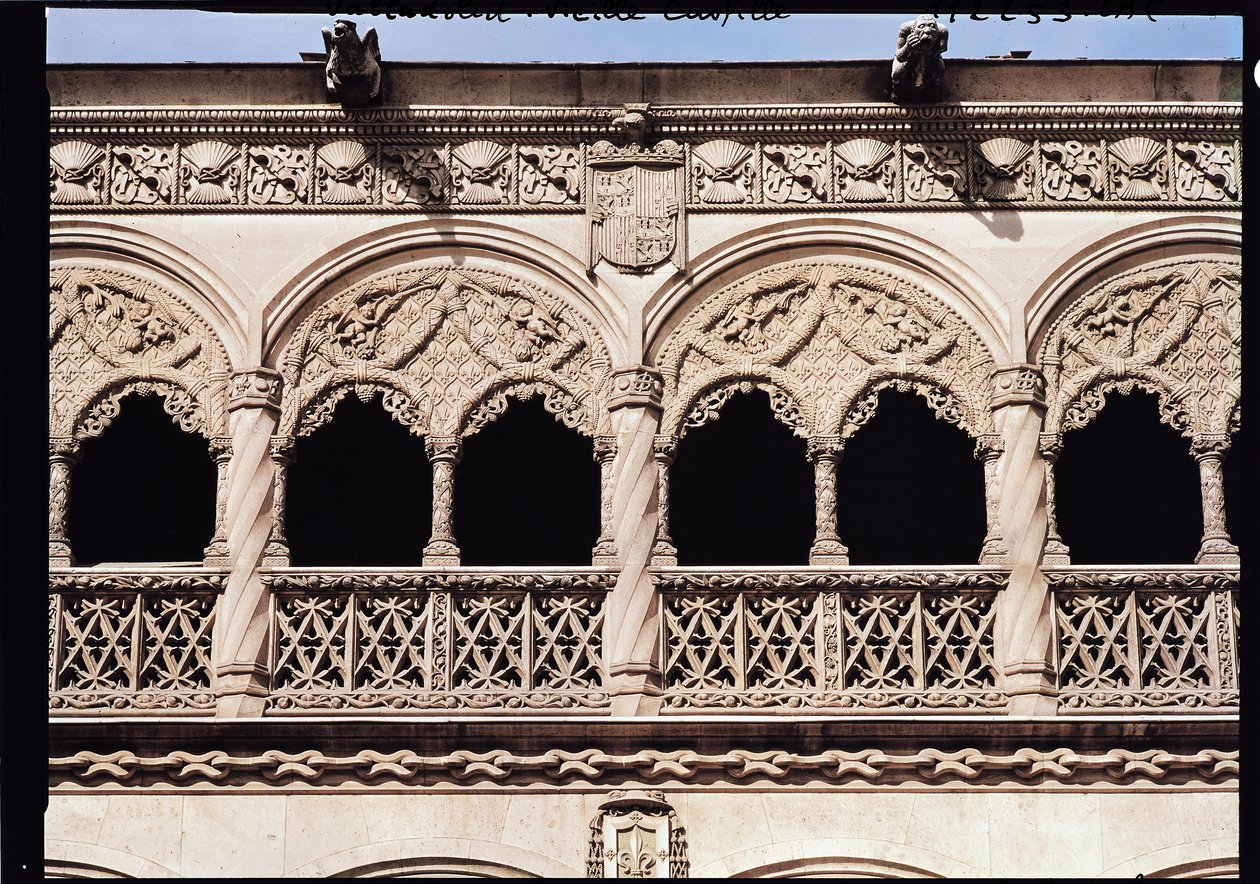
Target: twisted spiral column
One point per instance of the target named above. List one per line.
(255, 539)
(1216, 548)
(63, 454)
(825, 453)
(444, 453)
(1024, 631)
(640, 533)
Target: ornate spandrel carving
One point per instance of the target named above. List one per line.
(866, 170)
(1206, 170)
(796, 173)
(551, 174)
(635, 202)
(445, 347)
(918, 71)
(76, 173)
(821, 339)
(344, 173)
(210, 173)
(1139, 168)
(481, 173)
(1170, 329)
(144, 174)
(112, 334)
(724, 173)
(413, 175)
(637, 835)
(1004, 169)
(1073, 171)
(279, 174)
(936, 172)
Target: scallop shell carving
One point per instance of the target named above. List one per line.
(864, 160)
(477, 170)
(76, 176)
(342, 165)
(211, 170)
(1140, 174)
(1005, 154)
(727, 172)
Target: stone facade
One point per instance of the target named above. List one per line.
(1055, 234)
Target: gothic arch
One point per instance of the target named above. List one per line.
(827, 335)
(446, 343)
(467, 243)
(935, 267)
(423, 857)
(214, 291)
(1172, 327)
(112, 333)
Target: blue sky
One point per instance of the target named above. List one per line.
(167, 35)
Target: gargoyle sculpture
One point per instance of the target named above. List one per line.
(353, 74)
(918, 73)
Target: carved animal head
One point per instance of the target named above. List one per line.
(344, 33)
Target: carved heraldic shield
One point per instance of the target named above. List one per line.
(635, 211)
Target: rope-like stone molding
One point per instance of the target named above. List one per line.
(868, 580)
(871, 765)
(432, 581)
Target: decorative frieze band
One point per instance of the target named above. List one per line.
(869, 765)
(902, 168)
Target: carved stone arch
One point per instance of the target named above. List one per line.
(447, 338)
(112, 333)
(837, 856)
(830, 333)
(403, 404)
(437, 856)
(78, 859)
(1172, 327)
(560, 400)
(858, 404)
(704, 398)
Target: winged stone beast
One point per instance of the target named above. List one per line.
(353, 73)
(918, 72)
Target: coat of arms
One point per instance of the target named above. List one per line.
(634, 205)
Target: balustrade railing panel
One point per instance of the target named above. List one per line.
(826, 640)
(394, 641)
(1145, 638)
(131, 641)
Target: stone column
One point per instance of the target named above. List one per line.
(825, 452)
(664, 450)
(1023, 633)
(63, 454)
(989, 450)
(1216, 547)
(605, 552)
(255, 539)
(277, 554)
(216, 555)
(444, 453)
(1056, 552)
(632, 620)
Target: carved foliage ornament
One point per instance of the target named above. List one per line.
(445, 347)
(1173, 329)
(822, 339)
(111, 334)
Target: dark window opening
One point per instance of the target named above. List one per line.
(909, 489)
(527, 492)
(1127, 488)
(144, 490)
(360, 492)
(742, 490)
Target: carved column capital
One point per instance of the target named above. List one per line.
(605, 448)
(64, 449)
(828, 448)
(989, 446)
(637, 386)
(444, 449)
(1210, 445)
(256, 388)
(221, 448)
(665, 448)
(1050, 445)
(1018, 384)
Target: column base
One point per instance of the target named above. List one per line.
(241, 690)
(59, 555)
(275, 555)
(828, 552)
(635, 689)
(216, 555)
(441, 554)
(1055, 553)
(605, 554)
(994, 552)
(1217, 551)
(664, 555)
